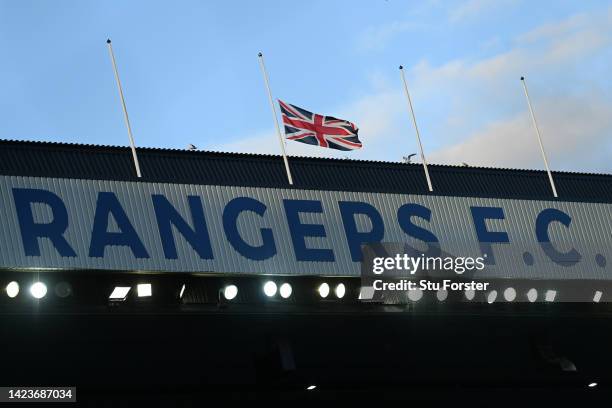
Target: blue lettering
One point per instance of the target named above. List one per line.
(299, 231)
(486, 237)
(100, 237)
(480, 215)
(348, 210)
(404, 215)
(543, 220)
(167, 216)
(230, 218)
(31, 231)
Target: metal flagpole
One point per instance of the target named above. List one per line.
(278, 132)
(535, 125)
(416, 128)
(127, 119)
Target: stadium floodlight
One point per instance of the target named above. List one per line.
(415, 295)
(182, 292)
(285, 290)
(230, 292)
(144, 290)
(269, 288)
(491, 296)
(532, 295)
(340, 290)
(323, 290)
(38, 290)
(510, 294)
(442, 294)
(311, 387)
(119, 293)
(63, 289)
(12, 289)
(597, 296)
(469, 294)
(592, 385)
(550, 295)
(366, 293)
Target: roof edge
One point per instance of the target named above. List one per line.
(161, 150)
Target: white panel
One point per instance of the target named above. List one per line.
(590, 231)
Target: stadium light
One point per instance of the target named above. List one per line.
(230, 292)
(415, 295)
(592, 385)
(182, 291)
(38, 290)
(269, 289)
(510, 294)
(366, 292)
(119, 293)
(340, 290)
(311, 387)
(442, 294)
(12, 289)
(491, 296)
(532, 295)
(144, 290)
(550, 295)
(323, 290)
(469, 294)
(597, 296)
(285, 290)
(63, 289)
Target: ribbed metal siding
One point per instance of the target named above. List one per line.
(451, 222)
(184, 167)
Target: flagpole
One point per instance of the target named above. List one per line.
(278, 132)
(535, 125)
(125, 113)
(416, 128)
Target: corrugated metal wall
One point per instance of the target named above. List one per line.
(590, 232)
(38, 159)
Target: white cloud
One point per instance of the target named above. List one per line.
(475, 8)
(474, 110)
(575, 122)
(491, 43)
(576, 134)
(264, 142)
(375, 38)
(378, 37)
(565, 41)
(556, 29)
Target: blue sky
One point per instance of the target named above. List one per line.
(191, 75)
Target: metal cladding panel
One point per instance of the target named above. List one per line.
(451, 221)
(60, 160)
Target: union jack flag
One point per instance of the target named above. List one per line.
(314, 129)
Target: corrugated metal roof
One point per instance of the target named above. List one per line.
(63, 160)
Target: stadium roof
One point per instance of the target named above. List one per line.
(63, 160)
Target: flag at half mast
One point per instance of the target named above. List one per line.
(319, 130)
